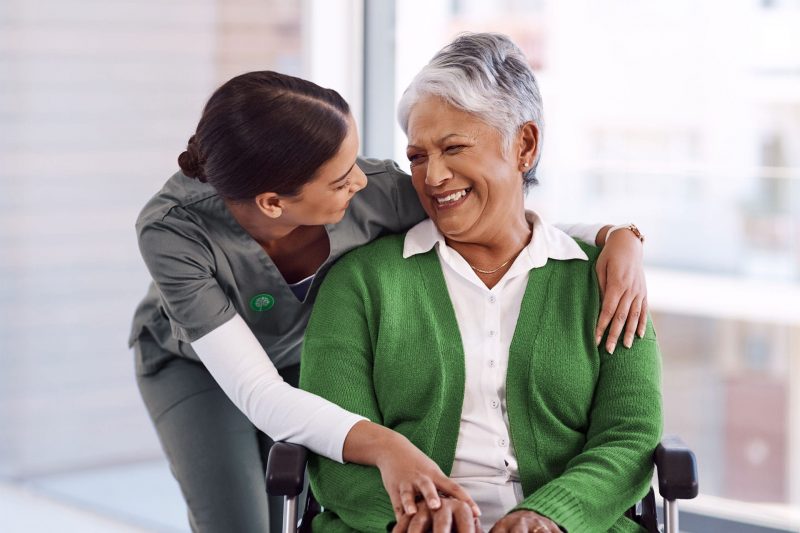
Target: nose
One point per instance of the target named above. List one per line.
(359, 180)
(437, 171)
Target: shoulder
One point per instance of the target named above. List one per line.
(182, 211)
(385, 175)
(368, 265)
(381, 253)
(575, 270)
(592, 251)
(381, 168)
(572, 265)
(177, 192)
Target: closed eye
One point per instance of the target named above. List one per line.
(456, 148)
(343, 185)
(415, 158)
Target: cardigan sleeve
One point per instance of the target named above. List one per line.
(337, 365)
(614, 469)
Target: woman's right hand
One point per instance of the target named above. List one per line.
(407, 472)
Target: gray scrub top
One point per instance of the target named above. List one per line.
(206, 268)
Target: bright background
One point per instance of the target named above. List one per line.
(680, 115)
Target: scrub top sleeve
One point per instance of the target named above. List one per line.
(406, 202)
(182, 266)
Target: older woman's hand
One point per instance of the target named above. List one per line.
(452, 515)
(525, 521)
(623, 289)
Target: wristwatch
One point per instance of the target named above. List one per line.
(631, 227)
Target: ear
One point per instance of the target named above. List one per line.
(270, 204)
(528, 146)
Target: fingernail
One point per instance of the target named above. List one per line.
(476, 511)
(411, 509)
(628, 344)
(613, 347)
(433, 504)
(597, 340)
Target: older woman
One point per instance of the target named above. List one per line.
(473, 333)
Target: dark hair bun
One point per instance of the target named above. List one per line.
(265, 132)
(191, 161)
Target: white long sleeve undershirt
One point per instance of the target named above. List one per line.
(241, 367)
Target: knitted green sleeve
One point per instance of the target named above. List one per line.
(337, 365)
(615, 468)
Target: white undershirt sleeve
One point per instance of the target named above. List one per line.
(583, 232)
(241, 367)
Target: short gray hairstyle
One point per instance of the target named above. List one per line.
(486, 75)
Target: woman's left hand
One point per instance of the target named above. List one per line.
(620, 271)
(526, 521)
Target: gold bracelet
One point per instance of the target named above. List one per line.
(639, 235)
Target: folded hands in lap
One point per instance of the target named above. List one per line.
(452, 515)
(455, 516)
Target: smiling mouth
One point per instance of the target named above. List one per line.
(453, 199)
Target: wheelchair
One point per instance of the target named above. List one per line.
(676, 467)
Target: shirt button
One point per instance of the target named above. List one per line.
(502, 443)
(492, 363)
(495, 404)
(492, 333)
(492, 299)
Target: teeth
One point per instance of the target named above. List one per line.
(453, 197)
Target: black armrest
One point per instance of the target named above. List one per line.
(286, 469)
(677, 469)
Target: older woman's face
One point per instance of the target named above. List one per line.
(466, 184)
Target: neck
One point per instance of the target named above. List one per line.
(501, 243)
(262, 229)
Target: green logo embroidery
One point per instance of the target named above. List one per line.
(262, 302)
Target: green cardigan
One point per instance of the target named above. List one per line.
(383, 342)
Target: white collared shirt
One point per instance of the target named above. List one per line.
(485, 461)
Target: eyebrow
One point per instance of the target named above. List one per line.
(443, 139)
(343, 176)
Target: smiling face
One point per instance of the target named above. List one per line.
(324, 199)
(468, 185)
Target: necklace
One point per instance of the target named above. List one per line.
(476, 269)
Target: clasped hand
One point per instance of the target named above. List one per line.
(455, 516)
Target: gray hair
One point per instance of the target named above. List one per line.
(486, 75)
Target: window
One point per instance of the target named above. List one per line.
(685, 118)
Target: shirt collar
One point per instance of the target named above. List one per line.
(548, 242)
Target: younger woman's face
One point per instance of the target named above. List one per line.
(325, 199)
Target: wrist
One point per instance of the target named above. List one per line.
(602, 236)
(372, 444)
(626, 229)
(389, 445)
